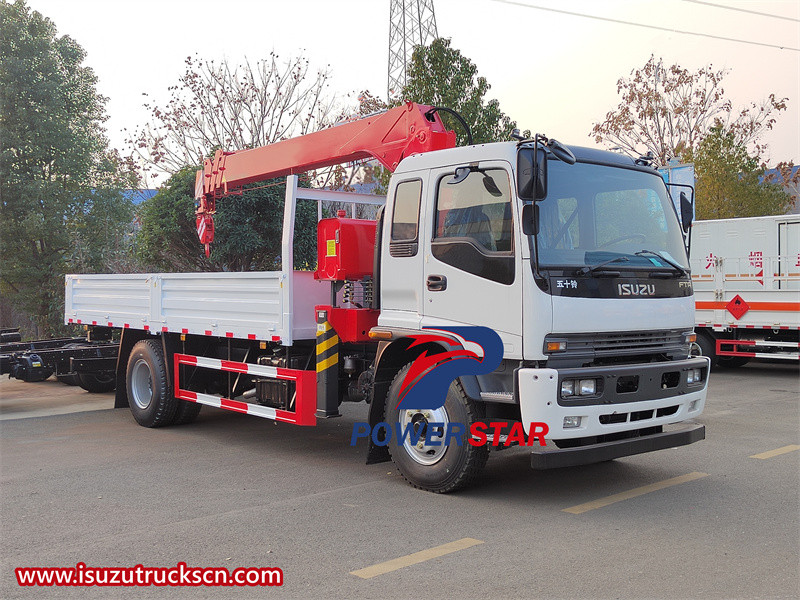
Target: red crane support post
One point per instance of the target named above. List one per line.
(387, 137)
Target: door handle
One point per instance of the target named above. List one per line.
(437, 283)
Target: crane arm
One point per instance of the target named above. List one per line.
(387, 137)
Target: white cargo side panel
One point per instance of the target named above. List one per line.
(236, 305)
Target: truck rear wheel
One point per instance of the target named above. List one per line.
(186, 412)
(147, 381)
(443, 468)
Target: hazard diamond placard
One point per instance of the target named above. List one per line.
(737, 307)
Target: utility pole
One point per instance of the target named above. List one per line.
(411, 23)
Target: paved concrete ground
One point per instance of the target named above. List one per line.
(231, 490)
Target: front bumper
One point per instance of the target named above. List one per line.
(652, 406)
(551, 457)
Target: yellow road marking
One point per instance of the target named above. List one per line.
(329, 343)
(645, 489)
(776, 452)
(415, 558)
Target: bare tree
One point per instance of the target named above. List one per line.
(219, 105)
(668, 110)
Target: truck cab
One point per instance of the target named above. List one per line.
(592, 297)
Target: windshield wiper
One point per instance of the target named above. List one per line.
(593, 268)
(658, 255)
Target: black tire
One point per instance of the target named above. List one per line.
(708, 347)
(456, 465)
(186, 412)
(97, 383)
(69, 379)
(147, 383)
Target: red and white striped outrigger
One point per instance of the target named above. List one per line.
(303, 400)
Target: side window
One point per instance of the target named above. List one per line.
(405, 219)
(473, 229)
(478, 208)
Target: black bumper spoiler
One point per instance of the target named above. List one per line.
(554, 458)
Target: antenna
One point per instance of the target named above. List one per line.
(411, 23)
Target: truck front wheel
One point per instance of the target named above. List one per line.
(436, 468)
(147, 380)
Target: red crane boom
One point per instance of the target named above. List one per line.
(387, 137)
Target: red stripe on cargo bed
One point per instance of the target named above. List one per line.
(147, 327)
(125, 326)
(165, 329)
(184, 331)
(209, 332)
(229, 334)
(190, 396)
(250, 336)
(276, 338)
(233, 405)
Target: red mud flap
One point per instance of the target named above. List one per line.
(555, 458)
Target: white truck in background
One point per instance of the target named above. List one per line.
(746, 278)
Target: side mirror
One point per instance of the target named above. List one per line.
(686, 212)
(527, 179)
(530, 219)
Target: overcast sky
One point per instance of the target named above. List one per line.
(553, 73)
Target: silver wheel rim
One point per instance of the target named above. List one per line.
(141, 384)
(419, 420)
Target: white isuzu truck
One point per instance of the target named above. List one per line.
(575, 257)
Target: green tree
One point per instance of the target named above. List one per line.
(248, 229)
(669, 110)
(729, 182)
(441, 76)
(62, 209)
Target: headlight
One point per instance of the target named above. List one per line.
(588, 387)
(579, 387)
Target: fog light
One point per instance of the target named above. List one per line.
(572, 422)
(568, 387)
(693, 376)
(588, 387)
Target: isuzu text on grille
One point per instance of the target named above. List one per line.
(636, 289)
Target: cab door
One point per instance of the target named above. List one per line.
(471, 260)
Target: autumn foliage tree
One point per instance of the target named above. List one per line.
(219, 105)
(669, 110)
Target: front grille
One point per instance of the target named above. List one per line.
(611, 343)
(612, 347)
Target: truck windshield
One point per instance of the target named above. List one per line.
(593, 214)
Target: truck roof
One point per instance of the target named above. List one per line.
(505, 151)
